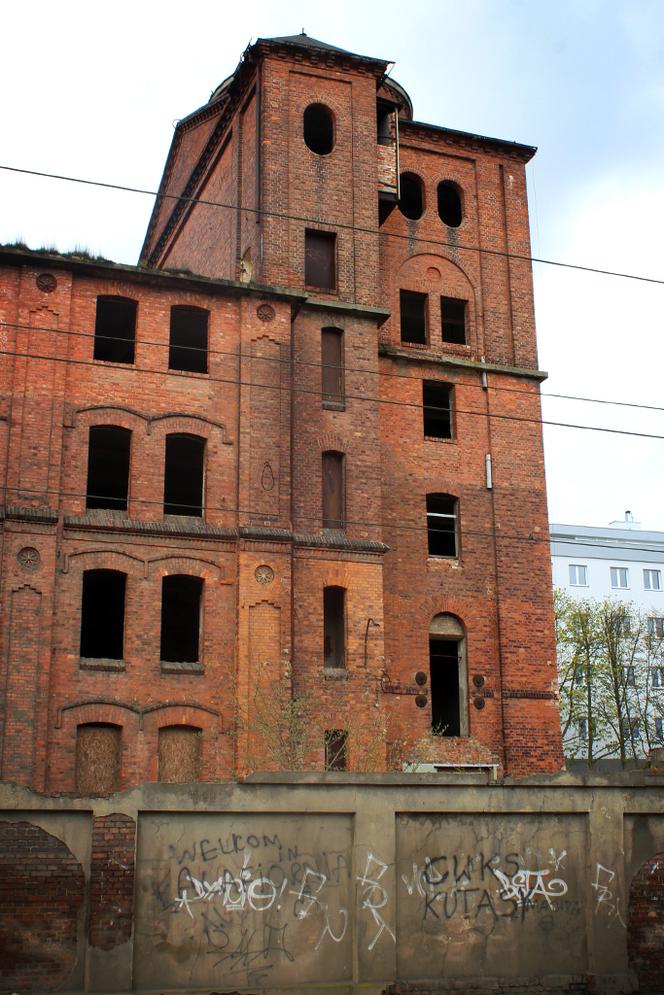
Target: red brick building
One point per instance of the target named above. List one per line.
(275, 497)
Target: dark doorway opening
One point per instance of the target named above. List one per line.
(444, 669)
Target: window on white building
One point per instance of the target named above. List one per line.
(583, 728)
(578, 575)
(652, 580)
(657, 677)
(629, 677)
(656, 628)
(659, 730)
(619, 578)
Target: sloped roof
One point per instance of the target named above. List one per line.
(305, 41)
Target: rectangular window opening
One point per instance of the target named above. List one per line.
(619, 578)
(103, 615)
(334, 512)
(336, 741)
(332, 371)
(413, 309)
(442, 521)
(578, 575)
(108, 467)
(652, 580)
(319, 259)
(98, 758)
(188, 344)
(115, 329)
(656, 628)
(334, 628)
(437, 409)
(445, 692)
(453, 318)
(181, 598)
(183, 475)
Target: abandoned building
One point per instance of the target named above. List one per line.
(275, 496)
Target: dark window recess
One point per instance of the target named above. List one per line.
(449, 204)
(180, 618)
(319, 268)
(334, 628)
(180, 754)
(411, 200)
(335, 749)
(108, 467)
(115, 329)
(444, 669)
(318, 127)
(103, 614)
(413, 316)
(188, 345)
(442, 525)
(332, 374)
(333, 491)
(384, 112)
(98, 747)
(453, 318)
(183, 475)
(437, 409)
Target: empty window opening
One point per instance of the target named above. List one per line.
(181, 597)
(103, 614)
(98, 752)
(411, 199)
(413, 308)
(442, 525)
(183, 475)
(334, 513)
(319, 263)
(453, 318)
(384, 113)
(318, 127)
(450, 207)
(334, 628)
(115, 329)
(108, 467)
(445, 671)
(437, 409)
(336, 741)
(332, 373)
(188, 346)
(180, 754)
(385, 207)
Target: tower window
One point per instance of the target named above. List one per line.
(411, 199)
(108, 467)
(450, 207)
(332, 373)
(103, 614)
(180, 754)
(318, 127)
(334, 628)
(98, 747)
(181, 597)
(437, 409)
(442, 519)
(413, 307)
(319, 262)
(183, 475)
(335, 749)
(115, 329)
(333, 491)
(384, 112)
(453, 318)
(188, 344)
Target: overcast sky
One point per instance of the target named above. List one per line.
(93, 90)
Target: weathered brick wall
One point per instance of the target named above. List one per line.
(645, 929)
(112, 870)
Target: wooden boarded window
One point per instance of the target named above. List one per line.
(180, 754)
(181, 598)
(453, 318)
(98, 747)
(188, 343)
(103, 614)
(413, 317)
(334, 628)
(334, 513)
(319, 259)
(183, 475)
(336, 741)
(115, 329)
(108, 467)
(332, 373)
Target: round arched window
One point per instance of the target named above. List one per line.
(411, 201)
(450, 207)
(319, 129)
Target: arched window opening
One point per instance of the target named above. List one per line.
(334, 628)
(450, 207)
(181, 598)
(115, 329)
(188, 345)
(180, 750)
(447, 668)
(411, 200)
(334, 512)
(108, 467)
(183, 475)
(442, 525)
(318, 122)
(103, 614)
(98, 756)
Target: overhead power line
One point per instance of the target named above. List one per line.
(341, 226)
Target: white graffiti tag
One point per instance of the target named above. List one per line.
(524, 886)
(374, 896)
(606, 899)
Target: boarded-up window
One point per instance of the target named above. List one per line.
(334, 627)
(108, 467)
(103, 614)
(319, 262)
(335, 749)
(180, 754)
(442, 523)
(115, 329)
(98, 748)
(453, 316)
(334, 514)
(332, 374)
(183, 475)
(413, 317)
(180, 618)
(437, 409)
(188, 345)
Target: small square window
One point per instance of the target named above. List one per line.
(319, 259)
(652, 580)
(578, 575)
(656, 628)
(619, 578)
(413, 317)
(453, 320)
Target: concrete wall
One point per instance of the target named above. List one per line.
(413, 882)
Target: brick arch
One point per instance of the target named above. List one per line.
(193, 566)
(109, 414)
(97, 710)
(645, 925)
(178, 422)
(105, 559)
(417, 273)
(186, 714)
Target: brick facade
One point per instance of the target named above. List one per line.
(259, 548)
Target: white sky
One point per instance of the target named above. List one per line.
(93, 91)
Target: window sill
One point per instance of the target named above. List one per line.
(101, 663)
(334, 405)
(441, 558)
(335, 673)
(439, 438)
(177, 667)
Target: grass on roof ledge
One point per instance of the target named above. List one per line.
(79, 252)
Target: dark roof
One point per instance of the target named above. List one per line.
(305, 41)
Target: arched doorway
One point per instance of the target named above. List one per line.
(448, 683)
